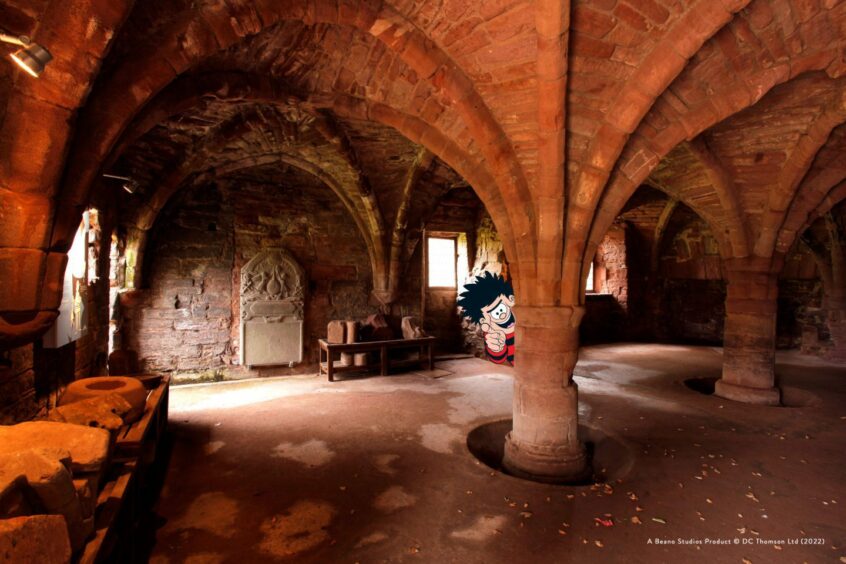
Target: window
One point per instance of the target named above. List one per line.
(80, 272)
(442, 262)
(589, 283)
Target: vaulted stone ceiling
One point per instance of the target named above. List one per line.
(376, 172)
(554, 112)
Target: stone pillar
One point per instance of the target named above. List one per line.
(749, 338)
(836, 312)
(834, 287)
(543, 443)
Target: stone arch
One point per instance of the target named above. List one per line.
(138, 242)
(653, 75)
(187, 40)
(35, 129)
(670, 121)
(187, 91)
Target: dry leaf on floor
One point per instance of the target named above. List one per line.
(604, 522)
(598, 543)
(659, 520)
(636, 520)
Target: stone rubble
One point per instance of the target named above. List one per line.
(37, 539)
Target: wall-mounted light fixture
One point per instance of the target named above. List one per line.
(129, 184)
(31, 57)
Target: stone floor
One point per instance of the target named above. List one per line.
(377, 469)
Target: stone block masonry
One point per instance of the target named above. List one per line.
(187, 320)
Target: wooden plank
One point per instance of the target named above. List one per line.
(129, 441)
(109, 503)
(365, 346)
(383, 354)
(338, 368)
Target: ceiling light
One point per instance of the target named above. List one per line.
(130, 185)
(31, 57)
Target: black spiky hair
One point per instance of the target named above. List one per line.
(480, 293)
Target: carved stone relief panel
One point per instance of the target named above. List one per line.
(272, 304)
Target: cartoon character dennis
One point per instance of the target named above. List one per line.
(488, 302)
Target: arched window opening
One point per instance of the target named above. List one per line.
(589, 284)
(80, 272)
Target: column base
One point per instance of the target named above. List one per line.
(541, 463)
(745, 394)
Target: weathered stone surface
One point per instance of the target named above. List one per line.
(15, 494)
(360, 359)
(88, 447)
(336, 331)
(39, 538)
(544, 443)
(272, 299)
(411, 328)
(106, 412)
(375, 328)
(130, 389)
(53, 485)
(87, 495)
(171, 327)
(352, 336)
(48, 477)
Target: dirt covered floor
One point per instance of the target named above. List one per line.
(378, 469)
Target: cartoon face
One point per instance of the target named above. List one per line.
(499, 312)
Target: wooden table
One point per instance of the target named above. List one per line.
(328, 366)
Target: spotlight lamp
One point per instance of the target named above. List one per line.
(129, 184)
(31, 57)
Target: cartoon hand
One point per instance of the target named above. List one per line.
(494, 338)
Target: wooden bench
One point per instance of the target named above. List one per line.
(136, 450)
(327, 349)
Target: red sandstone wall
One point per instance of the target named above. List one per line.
(18, 400)
(612, 259)
(187, 319)
(488, 256)
(605, 309)
(456, 213)
(32, 377)
(684, 299)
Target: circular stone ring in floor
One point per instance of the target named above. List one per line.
(610, 459)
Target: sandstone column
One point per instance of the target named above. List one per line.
(749, 339)
(543, 443)
(834, 286)
(836, 309)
